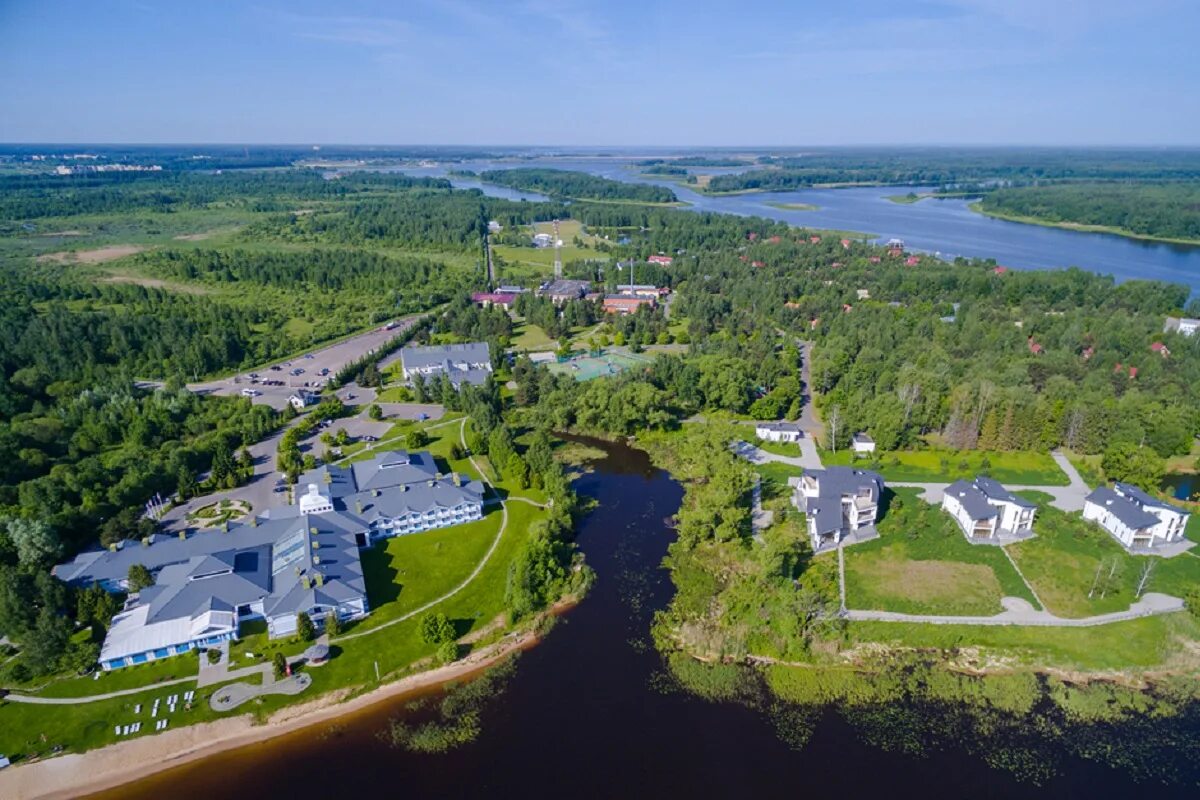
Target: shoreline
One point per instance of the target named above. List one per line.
(81, 774)
(1080, 227)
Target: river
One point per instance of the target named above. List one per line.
(586, 715)
(945, 227)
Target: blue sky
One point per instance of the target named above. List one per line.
(578, 72)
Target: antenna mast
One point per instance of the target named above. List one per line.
(557, 253)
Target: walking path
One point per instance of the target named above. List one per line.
(1021, 612)
(474, 573)
(1024, 580)
(261, 668)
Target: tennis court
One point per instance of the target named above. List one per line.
(586, 368)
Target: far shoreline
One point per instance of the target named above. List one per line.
(1080, 227)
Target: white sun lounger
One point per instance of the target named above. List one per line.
(116, 730)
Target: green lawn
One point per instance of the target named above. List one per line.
(1140, 643)
(531, 337)
(778, 448)
(943, 466)
(1070, 558)
(922, 564)
(406, 572)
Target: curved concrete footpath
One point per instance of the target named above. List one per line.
(1020, 612)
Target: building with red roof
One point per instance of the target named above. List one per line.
(662, 261)
(503, 299)
(626, 304)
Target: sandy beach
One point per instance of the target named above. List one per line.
(107, 767)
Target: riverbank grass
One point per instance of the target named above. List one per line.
(1078, 570)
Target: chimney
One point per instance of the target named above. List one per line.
(113, 547)
(182, 535)
(358, 507)
(327, 477)
(320, 579)
(146, 542)
(313, 530)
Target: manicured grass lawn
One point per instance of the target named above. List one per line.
(395, 394)
(531, 337)
(1068, 554)
(1034, 469)
(921, 564)
(1145, 642)
(1088, 467)
(181, 666)
(778, 448)
(406, 572)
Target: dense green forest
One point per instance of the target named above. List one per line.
(941, 167)
(564, 184)
(24, 197)
(1168, 211)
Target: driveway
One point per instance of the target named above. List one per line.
(808, 458)
(1065, 498)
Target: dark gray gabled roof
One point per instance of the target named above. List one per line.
(839, 481)
(973, 501)
(825, 514)
(995, 491)
(415, 498)
(1142, 498)
(1121, 508)
(862, 438)
(788, 427)
(445, 355)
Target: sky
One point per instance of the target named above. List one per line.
(602, 72)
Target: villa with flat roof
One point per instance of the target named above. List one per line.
(1139, 521)
(462, 363)
(839, 503)
(987, 512)
(298, 558)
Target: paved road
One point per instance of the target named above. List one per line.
(1065, 498)
(332, 358)
(1021, 612)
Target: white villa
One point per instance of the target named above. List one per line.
(778, 431)
(298, 558)
(837, 502)
(987, 512)
(862, 444)
(1136, 519)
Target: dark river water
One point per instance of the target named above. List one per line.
(945, 227)
(584, 715)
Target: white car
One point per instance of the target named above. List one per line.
(250, 392)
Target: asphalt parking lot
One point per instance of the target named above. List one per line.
(329, 359)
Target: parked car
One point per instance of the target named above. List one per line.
(248, 392)
(324, 372)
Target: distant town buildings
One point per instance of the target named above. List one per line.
(1186, 326)
(623, 304)
(504, 300)
(564, 290)
(461, 363)
(662, 261)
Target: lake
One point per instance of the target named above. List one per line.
(945, 227)
(589, 714)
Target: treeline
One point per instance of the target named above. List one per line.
(1170, 211)
(326, 270)
(565, 184)
(447, 220)
(941, 167)
(695, 161)
(24, 197)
